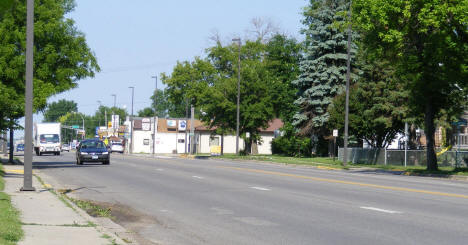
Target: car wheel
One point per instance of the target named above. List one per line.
(106, 162)
(78, 161)
(58, 153)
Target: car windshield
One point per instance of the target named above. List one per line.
(20, 145)
(92, 144)
(49, 138)
(117, 144)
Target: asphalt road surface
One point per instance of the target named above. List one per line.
(184, 201)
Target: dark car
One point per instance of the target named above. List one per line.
(20, 147)
(92, 150)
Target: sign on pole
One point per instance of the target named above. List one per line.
(335, 132)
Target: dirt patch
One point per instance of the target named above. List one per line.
(129, 218)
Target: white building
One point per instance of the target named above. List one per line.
(172, 136)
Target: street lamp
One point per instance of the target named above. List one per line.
(238, 40)
(348, 74)
(115, 97)
(131, 123)
(28, 107)
(155, 113)
(99, 102)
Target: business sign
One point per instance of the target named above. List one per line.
(75, 126)
(182, 125)
(171, 123)
(146, 124)
(97, 131)
(115, 121)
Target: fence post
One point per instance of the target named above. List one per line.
(385, 150)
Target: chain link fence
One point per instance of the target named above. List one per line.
(383, 156)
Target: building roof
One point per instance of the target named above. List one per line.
(273, 125)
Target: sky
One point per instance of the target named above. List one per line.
(135, 40)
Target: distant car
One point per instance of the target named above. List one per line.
(92, 150)
(66, 147)
(20, 147)
(117, 147)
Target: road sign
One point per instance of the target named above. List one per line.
(75, 126)
(335, 132)
(462, 122)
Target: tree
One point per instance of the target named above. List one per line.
(146, 112)
(427, 42)
(377, 106)
(57, 109)
(323, 69)
(282, 59)
(160, 103)
(61, 55)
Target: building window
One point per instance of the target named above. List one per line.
(181, 140)
(146, 142)
(214, 141)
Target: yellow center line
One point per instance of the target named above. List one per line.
(348, 182)
(16, 171)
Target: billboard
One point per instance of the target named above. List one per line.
(182, 125)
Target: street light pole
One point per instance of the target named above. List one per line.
(84, 130)
(131, 123)
(348, 74)
(28, 124)
(238, 93)
(155, 114)
(115, 98)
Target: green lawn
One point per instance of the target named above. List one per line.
(328, 162)
(10, 224)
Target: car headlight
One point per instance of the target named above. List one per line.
(105, 153)
(84, 153)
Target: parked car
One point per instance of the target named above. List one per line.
(20, 147)
(117, 147)
(92, 150)
(66, 147)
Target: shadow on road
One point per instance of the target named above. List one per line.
(45, 165)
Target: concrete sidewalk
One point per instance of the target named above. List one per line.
(50, 221)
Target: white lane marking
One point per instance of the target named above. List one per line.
(260, 188)
(197, 177)
(164, 210)
(382, 210)
(159, 169)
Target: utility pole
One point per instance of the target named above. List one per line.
(348, 74)
(131, 123)
(238, 93)
(155, 113)
(192, 129)
(28, 122)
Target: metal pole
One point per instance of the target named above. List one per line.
(115, 98)
(28, 124)
(348, 74)
(238, 93)
(406, 143)
(131, 123)
(155, 114)
(192, 129)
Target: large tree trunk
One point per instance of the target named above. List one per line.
(429, 131)
(12, 148)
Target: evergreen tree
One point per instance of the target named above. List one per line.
(323, 69)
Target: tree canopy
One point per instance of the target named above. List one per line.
(57, 109)
(61, 55)
(427, 41)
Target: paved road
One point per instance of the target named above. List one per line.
(183, 201)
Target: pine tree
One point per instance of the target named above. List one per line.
(323, 69)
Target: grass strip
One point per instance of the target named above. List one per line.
(92, 208)
(329, 162)
(10, 224)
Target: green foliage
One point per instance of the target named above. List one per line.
(323, 69)
(282, 60)
(290, 144)
(61, 55)
(377, 105)
(427, 42)
(57, 109)
(146, 112)
(161, 103)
